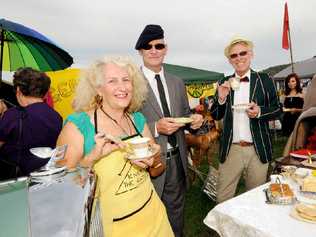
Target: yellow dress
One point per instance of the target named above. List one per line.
(129, 203)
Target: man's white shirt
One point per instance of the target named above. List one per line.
(150, 75)
(241, 121)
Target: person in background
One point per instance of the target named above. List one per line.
(293, 103)
(310, 96)
(245, 144)
(167, 99)
(305, 122)
(106, 100)
(31, 124)
(3, 107)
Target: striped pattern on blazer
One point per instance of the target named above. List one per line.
(263, 92)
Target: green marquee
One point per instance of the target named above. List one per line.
(193, 75)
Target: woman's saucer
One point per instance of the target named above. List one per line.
(152, 151)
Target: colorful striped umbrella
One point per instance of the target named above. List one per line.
(24, 47)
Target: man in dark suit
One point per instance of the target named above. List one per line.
(167, 99)
(246, 101)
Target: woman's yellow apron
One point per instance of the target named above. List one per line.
(129, 204)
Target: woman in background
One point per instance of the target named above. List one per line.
(31, 124)
(3, 108)
(106, 100)
(293, 103)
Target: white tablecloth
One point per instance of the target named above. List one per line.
(249, 215)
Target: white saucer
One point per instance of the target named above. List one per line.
(42, 152)
(306, 197)
(302, 156)
(150, 153)
(240, 106)
(134, 157)
(183, 120)
(295, 215)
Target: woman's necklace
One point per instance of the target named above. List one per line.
(115, 122)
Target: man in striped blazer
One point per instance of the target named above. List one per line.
(246, 101)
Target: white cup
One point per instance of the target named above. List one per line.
(140, 146)
(234, 83)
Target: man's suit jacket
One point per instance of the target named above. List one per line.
(263, 92)
(179, 108)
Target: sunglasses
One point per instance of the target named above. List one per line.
(241, 54)
(156, 46)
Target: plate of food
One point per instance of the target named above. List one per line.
(279, 193)
(304, 212)
(302, 172)
(303, 153)
(240, 106)
(307, 190)
(183, 120)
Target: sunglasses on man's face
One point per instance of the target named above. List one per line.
(241, 54)
(156, 46)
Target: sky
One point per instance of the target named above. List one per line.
(196, 31)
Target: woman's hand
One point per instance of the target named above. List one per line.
(143, 163)
(105, 145)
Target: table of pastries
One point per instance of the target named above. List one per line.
(253, 213)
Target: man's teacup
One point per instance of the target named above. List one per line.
(140, 146)
(234, 83)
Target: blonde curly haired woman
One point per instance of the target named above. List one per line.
(107, 96)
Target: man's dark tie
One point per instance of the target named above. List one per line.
(171, 138)
(244, 79)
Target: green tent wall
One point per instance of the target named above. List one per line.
(193, 75)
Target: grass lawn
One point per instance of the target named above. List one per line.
(198, 204)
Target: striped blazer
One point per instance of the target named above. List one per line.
(263, 92)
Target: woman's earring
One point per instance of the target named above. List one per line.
(98, 100)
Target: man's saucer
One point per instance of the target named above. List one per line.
(183, 120)
(240, 106)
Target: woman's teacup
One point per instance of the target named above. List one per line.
(234, 83)
(140, 146)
